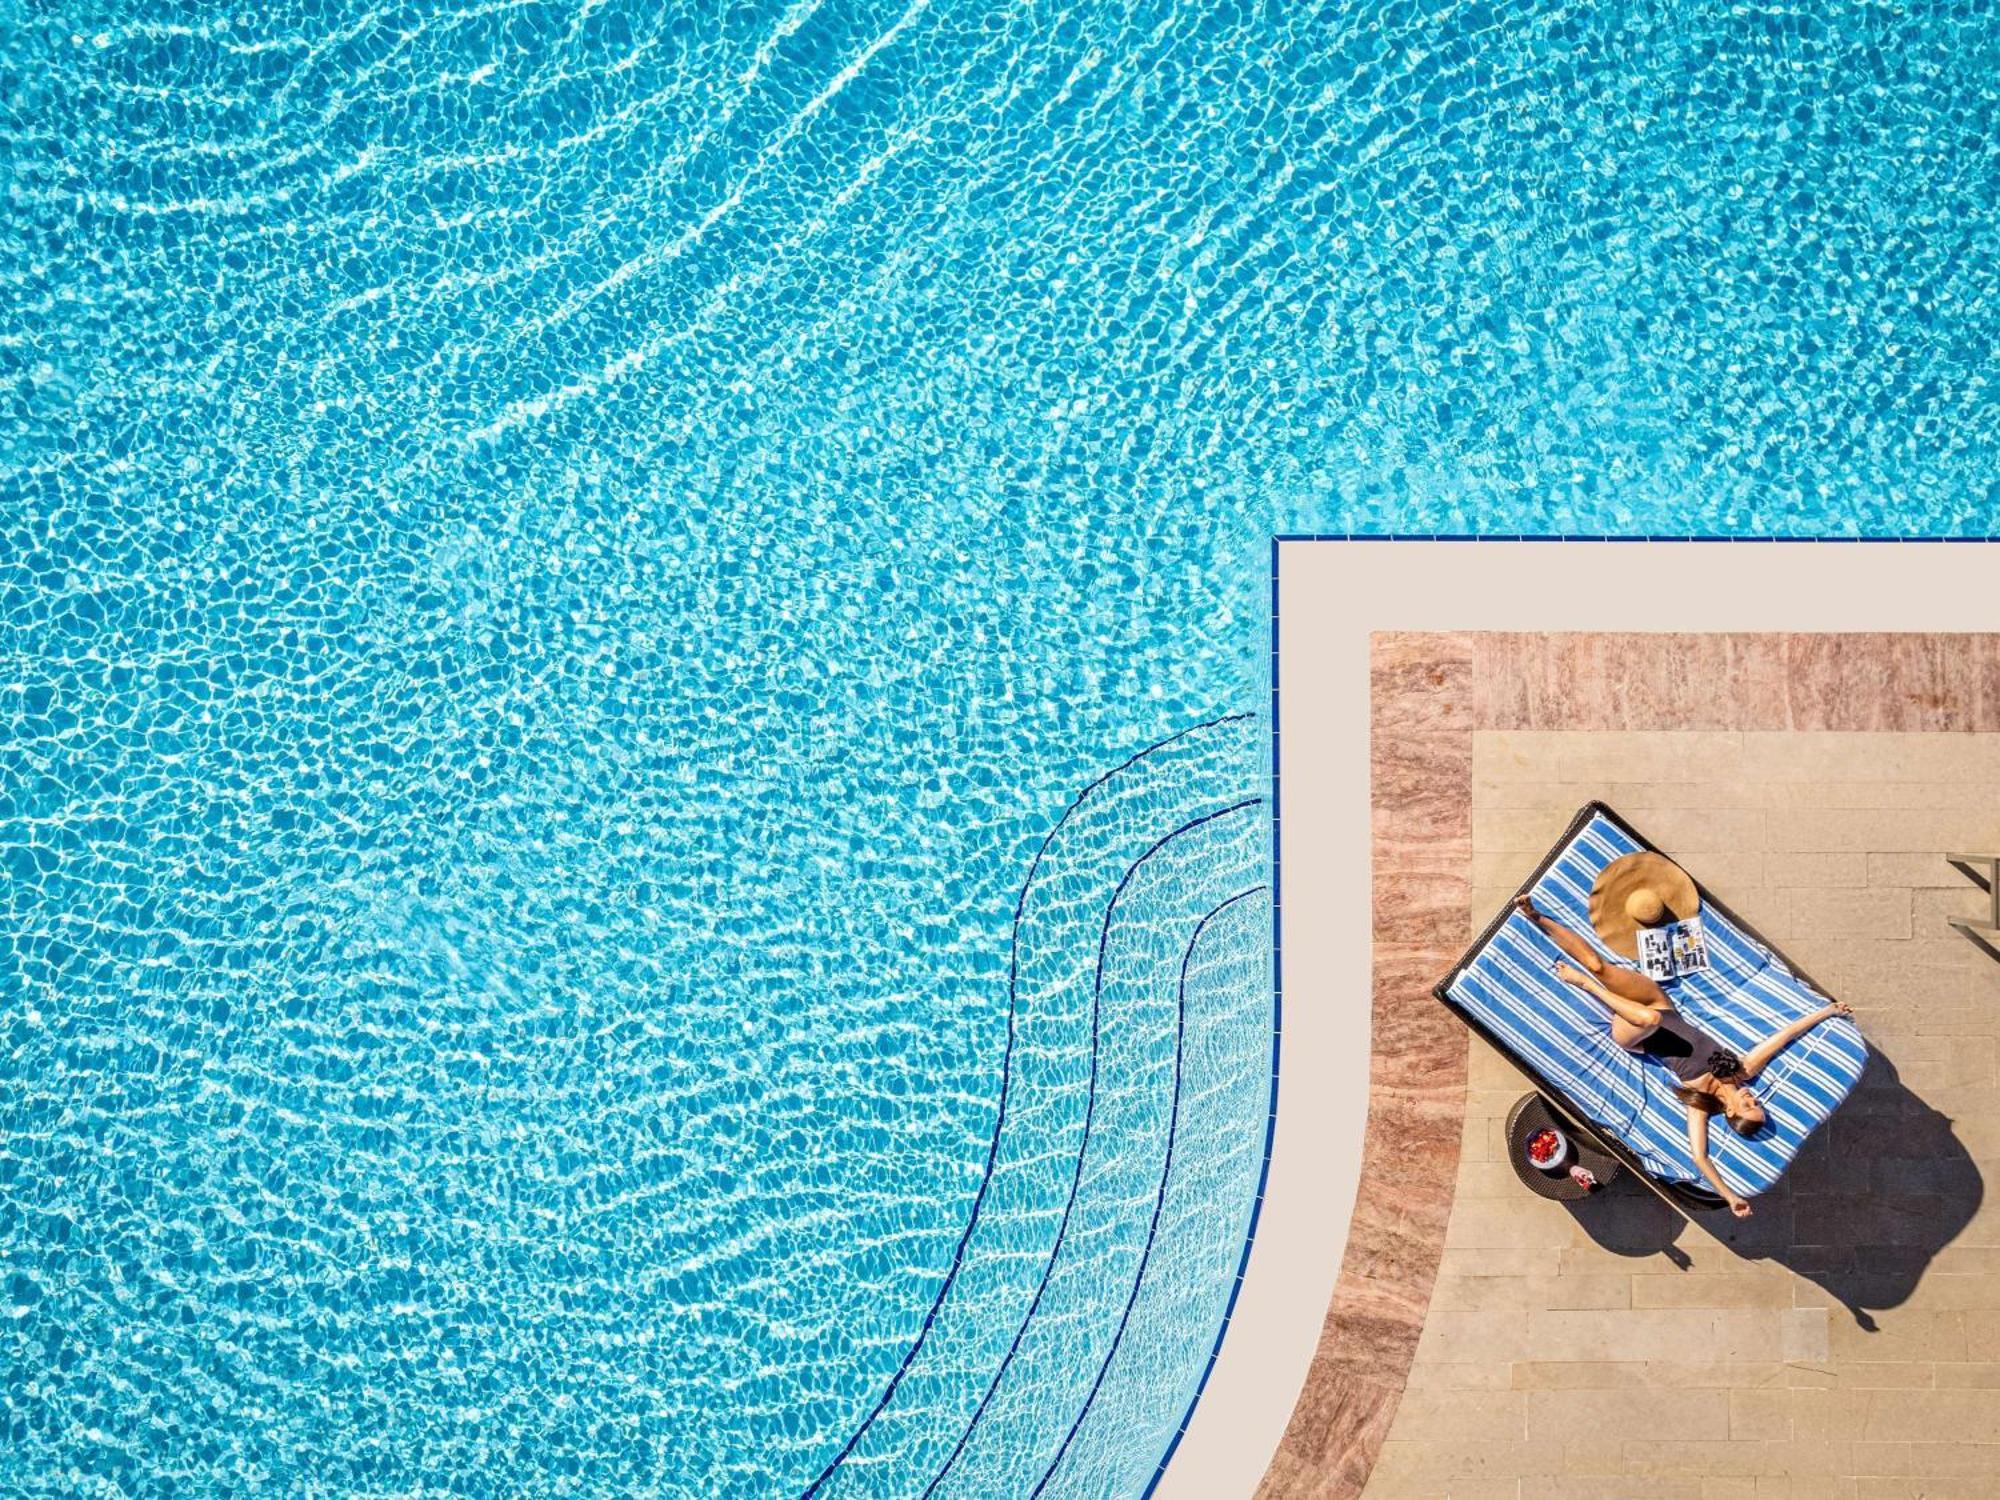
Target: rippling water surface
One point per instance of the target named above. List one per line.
(563, 569)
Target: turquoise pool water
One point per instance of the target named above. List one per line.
(563, 569)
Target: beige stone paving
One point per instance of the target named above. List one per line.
(1622, 1351)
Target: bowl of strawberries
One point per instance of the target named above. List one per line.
(1547, 1148)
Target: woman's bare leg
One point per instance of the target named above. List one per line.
(1631, 1022)
(1572, 943)
(1629, 984)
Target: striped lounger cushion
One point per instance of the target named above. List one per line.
(1508, 983)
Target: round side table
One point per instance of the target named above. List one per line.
(1531, 1112)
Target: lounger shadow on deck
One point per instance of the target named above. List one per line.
(1866, 1207)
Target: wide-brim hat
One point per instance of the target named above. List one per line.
(1640, 890)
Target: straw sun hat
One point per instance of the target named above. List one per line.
(1639, 890)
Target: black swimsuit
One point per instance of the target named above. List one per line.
(1689, 1052)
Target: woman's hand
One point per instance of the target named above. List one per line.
(1740, 1207)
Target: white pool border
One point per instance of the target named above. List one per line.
(1336, 591)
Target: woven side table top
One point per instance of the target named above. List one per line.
(1531, 1112)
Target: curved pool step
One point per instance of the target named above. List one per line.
(1052, 1381)
(1160, 1350)
(1088, 1045)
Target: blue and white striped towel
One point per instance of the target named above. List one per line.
(1747, 994)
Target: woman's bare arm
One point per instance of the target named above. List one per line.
(1698, 1140)
(1761, 1055)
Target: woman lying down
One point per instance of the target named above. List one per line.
(1712, 1079)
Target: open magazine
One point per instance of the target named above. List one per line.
(1673, 950)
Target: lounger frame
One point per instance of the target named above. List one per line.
(1684, 1196)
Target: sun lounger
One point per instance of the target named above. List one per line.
(1506, 990)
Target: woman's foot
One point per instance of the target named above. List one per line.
(1571, 974)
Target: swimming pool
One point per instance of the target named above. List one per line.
(565, 569)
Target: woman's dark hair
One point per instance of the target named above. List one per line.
(1708, 1104)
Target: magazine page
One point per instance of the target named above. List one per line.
(1690, 951)
(1656, 953)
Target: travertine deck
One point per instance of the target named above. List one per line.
(1816, 782)
(1730, 1344)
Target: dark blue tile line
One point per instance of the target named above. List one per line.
(1006, 1080)
(1277, 1040)
(1089, 1115)
(1159, 1198)
(1591, 536)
